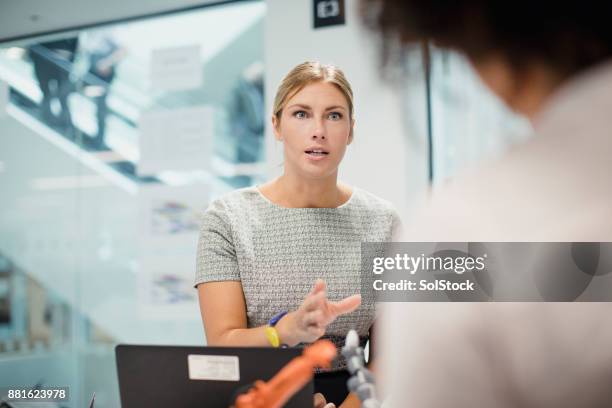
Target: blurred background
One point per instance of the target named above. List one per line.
(118, 125)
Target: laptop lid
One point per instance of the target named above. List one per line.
(196, 377)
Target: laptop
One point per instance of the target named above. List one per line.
(196, 377)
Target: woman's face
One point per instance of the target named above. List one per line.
(315, 127)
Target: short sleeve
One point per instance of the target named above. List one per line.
(216, 255)
(396, 226)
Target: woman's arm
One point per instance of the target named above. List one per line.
(223, 310)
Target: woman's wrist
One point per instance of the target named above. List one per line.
(286, 329)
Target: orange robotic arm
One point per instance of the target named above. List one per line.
(276, 392)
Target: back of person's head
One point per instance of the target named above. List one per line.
(566, 37)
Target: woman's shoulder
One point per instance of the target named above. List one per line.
(233, 203)
(235, 198)
(377, 213)
(371, 203)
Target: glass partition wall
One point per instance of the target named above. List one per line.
(451, 117)
(114, 139)
(468, 122)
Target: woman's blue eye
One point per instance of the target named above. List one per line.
(335, 115)
(299, 114)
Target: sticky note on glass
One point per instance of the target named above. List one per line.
(176, 68)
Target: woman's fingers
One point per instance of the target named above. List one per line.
(345, 305)
(316, 301)
(318, 311)
(319, 400)
(331, 309)
(316, 296)
(319, 286)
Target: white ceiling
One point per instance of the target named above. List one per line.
(23, 18)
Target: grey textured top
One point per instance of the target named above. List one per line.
(277, 253)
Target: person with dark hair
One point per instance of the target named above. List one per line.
(52, 62)
(518, 48)
(552, 63)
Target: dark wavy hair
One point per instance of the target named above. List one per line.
(567, 36)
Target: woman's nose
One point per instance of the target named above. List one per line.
(318, 131)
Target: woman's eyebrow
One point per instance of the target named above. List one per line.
(299, 105)
(302, 106)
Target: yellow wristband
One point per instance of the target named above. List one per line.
(272, 336)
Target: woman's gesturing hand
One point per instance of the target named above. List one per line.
(316, 312)
(320, 402)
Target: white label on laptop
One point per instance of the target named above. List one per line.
(216, 368)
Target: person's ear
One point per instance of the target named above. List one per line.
(350, 138)
(276, 128)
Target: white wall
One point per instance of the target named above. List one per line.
(380, 159)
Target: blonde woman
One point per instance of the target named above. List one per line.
(279, 263)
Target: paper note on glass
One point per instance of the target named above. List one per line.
(175, 139)
(170, 215)
(176, 68)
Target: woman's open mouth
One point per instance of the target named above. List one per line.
(316, 152)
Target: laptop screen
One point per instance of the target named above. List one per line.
(197, 377)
